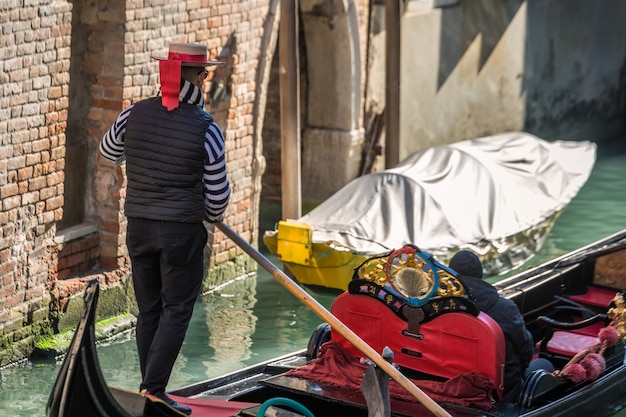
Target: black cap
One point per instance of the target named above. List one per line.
(466, 263)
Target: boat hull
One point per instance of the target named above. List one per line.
(534, 292)
(330, 265)
(497, 196)
(582, 275)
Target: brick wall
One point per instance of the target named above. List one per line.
(34, 80)
(67, 69)
(78, 257)
(231, 31)
(91, 59)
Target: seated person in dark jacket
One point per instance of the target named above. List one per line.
(519, 341)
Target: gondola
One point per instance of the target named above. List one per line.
(497, 195)
(431, 333)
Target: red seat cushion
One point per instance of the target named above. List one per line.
(451, 344)
(595, 296)
(566, 343)
(591, 330)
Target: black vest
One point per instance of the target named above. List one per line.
(164, 161)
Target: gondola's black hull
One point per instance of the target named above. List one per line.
(80, 389)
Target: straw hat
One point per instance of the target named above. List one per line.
(189, 54)
(180, 54)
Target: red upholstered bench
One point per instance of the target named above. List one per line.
(592, 330)
(595, 296)
(451, 344)
(564, 339)
(568, 343)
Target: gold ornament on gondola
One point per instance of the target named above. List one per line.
(373, 270)
(410, 274)
(617, 315)
(449, 285)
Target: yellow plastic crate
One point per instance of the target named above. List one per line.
(294, 242)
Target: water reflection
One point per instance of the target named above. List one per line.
(119, 362)
(24, 389)
(230, 320)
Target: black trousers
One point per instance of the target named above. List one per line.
(168, 268)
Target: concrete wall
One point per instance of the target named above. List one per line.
(468, 68)
(480, 67)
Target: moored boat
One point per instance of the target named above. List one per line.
(570, 304)
(498, 196)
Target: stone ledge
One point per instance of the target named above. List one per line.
(116, 297)
(75, 232)
(56, 345)
(116, 310)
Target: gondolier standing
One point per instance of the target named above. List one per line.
(176, 172)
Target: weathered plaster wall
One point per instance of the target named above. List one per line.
(481, 67)
(468, 68)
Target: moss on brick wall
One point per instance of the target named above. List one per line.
(227, 271)
(114, 300)
(19, 340)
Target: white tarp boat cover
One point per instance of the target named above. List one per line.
(456, 195)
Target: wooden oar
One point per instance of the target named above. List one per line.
(334, 322)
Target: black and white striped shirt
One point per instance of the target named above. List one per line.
(215, 182)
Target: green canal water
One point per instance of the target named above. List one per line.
(256, 318)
